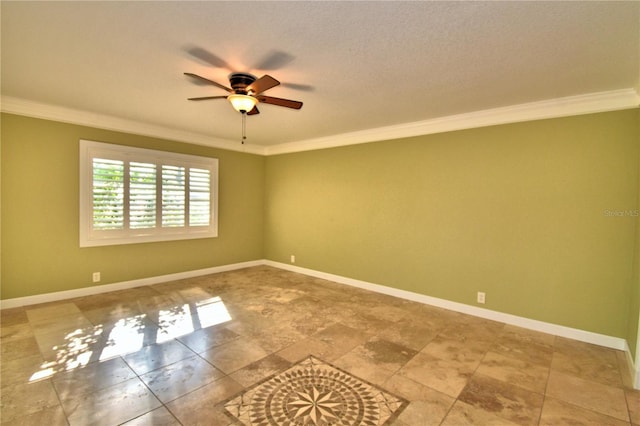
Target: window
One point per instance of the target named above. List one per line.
(134, 195)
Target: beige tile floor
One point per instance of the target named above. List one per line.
(171, 353)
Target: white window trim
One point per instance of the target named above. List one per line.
(91, 238)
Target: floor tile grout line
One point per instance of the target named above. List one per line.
(163, 404)
(145, 385)
(546, 386)
(66, 416)
(549, 371)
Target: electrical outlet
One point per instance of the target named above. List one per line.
(96, 277)
(481, 297)
(293, 258)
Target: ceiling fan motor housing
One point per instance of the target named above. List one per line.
(240, 81)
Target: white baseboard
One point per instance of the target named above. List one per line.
(105, 288)
(557, 330)
(531, 324)
(545, 327)
(633, 368)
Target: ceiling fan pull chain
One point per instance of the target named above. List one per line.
(244, 126)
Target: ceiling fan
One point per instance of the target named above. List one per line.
(246, 92)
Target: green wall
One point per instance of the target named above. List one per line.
(517, 211)
(40, 212)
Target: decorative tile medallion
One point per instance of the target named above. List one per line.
(314, 393)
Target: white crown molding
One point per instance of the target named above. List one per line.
(44, 111)
(552, 108)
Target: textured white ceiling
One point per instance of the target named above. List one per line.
(355, 65)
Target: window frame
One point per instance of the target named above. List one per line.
(90, 237)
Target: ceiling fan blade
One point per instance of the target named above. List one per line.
(280, 102)
(265, 82)
(253, 111)
(207, 57)
(301, 87)
(204, 98)
(207, 81)
(274, 60)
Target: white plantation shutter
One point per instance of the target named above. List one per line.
(199, 196)
(108, 194)
(130, 195)
(173, 196)
(142, 195)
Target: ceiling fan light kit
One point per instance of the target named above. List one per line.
(242, 103)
